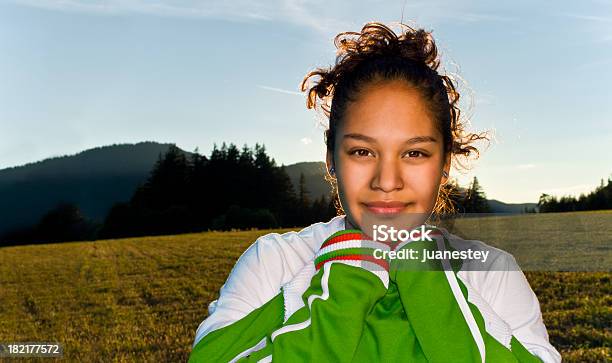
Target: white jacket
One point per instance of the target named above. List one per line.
(503, 296)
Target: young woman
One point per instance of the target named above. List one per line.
(324, 293)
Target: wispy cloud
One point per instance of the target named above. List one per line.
(309, 14)
(450, 10)
(280, 90)
(306, 140)
(234, 10)
(472, 17)
(324, 17)
(597, 27)
(595, 64)
(596, 18)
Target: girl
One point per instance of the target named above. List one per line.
(324, 293)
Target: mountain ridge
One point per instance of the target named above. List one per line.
(95, 179)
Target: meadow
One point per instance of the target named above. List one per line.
(141, 299)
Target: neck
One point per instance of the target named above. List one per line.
(348, 224)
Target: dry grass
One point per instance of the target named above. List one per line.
(141, 299)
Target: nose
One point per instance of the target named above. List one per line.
(388, 176)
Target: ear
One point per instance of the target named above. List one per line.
(446, 167)
(329, 161)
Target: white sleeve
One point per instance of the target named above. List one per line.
(254, 280)
(508, 293)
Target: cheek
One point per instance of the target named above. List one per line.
(352, 180)
(423, 181)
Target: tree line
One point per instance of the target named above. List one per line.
(234, 189)
(600, 198)
(230, 189)
(472, 199)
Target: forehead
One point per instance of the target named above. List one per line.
(390, 110)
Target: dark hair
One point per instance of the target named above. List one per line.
(377, 55)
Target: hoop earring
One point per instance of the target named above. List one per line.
(444, 174)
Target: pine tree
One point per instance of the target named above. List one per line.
(304, 200)
(475, 200)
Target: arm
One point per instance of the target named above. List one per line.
(240, 338)
(460, 317)
(269, 263)
(346, 286)
(249, 305)
(342, 292)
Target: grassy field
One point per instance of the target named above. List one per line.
(141, 299)
(575, 241)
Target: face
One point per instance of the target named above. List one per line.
(388, 155)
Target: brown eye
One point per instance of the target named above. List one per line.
(415, 154)
(361, 152)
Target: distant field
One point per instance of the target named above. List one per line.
(143, 298)
(576, 241)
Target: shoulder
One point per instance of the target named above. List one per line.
(260, 271)
(485, 270)
(274, 259)
(305, 241)
(493, 278)
(498, 281)
(290, 251)
(497, 258)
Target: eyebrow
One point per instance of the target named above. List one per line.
(412, 140)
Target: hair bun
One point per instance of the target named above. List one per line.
(377, 39)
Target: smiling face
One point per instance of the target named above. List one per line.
(389, 155)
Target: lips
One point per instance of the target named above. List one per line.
(385, 207)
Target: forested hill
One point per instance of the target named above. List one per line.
(93, 179)
(96, 179)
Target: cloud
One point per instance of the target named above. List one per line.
(234, 10)
(310, 14)
(450, 10)
(280, 90)
(306, 140)
(473, 17)
(597, 27)
(324, 17)
(594, 18)
(599, 63)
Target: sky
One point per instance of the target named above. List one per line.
(77, 74)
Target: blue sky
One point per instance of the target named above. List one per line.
(77, 74)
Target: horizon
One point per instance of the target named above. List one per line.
(250, 146)
(112, 72)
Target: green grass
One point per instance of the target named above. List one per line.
(143, 298)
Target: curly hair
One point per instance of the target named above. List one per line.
(376, 55)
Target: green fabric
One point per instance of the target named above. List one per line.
(223, 344)
(388, 335)
(521, 353)
(415, 319)
(353, 292)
